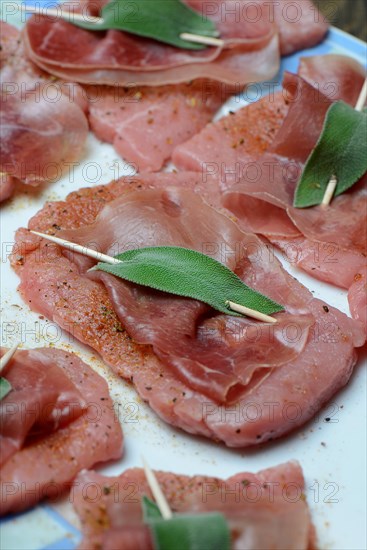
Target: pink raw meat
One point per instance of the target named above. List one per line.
(47, 463)
(146, 124)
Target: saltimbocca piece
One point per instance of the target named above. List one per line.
(119, 58)
(190, 363)
(57, 419)
(255, 33)
(42, 124)
(330, 243)
(259, 153)
(263, 510)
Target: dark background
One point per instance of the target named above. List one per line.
(349, 15)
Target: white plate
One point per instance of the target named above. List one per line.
(332, 454)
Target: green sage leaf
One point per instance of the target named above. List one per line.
(163, 20)
(191, 532)
(188, 273)
(5, 388)
(186, 531)
(150, 510)
(341, 151)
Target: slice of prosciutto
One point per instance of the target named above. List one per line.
(42, 127)
(135, 120)
(43, 399)
(314, 344)
(57, 420)
(258, 514)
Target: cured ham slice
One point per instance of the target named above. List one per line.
(42, 128)
(58, 419)
(336, 76)
(9, 42)
(329, 245)
(135, 120)
(43, 399)
(254, 506)
(7, 185)
(322, 364)
(250, 54)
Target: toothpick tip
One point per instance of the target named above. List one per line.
(8, 355)
(361, 101)
(78, 248)
(250, 312)
(157, 491)
(199, 39)
(329, 191)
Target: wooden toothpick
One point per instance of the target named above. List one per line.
(110, 260)
(7, 356)
(160, 499)
(71, 16)
(362, 98)
(198, 39)
(78, 248)
(329, 191)
(331, 186)
(250, 312)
